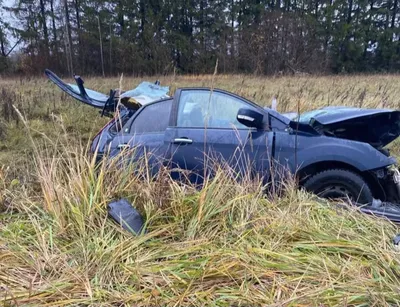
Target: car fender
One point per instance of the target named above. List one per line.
(311, 150)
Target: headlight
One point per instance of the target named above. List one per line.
(396, 175)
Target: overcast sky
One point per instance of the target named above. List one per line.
(7, 16)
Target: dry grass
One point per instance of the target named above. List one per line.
(226, 244)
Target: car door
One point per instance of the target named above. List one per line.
(144, 135)
(205, 134)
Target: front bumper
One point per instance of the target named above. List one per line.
(396, 181)
(389, 205)
(389, 181)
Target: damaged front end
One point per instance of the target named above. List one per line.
(376, 127)
(388, 180)
(386, 187)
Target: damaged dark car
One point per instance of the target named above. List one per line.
(335, 152)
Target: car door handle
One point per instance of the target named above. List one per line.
(123, 146)
(182, 141)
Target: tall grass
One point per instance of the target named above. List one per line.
(226, 244)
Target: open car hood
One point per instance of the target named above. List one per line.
(378, 127)
(144, 93)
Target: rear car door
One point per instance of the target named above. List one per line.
(204, 132)
(144, 135)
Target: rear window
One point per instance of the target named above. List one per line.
(153, 118)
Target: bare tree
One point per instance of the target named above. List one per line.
(68, 39)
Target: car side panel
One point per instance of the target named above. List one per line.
(313, 149)
(149, 146)
(247, 152)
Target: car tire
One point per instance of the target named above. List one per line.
(340, 184)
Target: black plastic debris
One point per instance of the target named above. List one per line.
(122, 212)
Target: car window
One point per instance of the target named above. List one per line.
(153, 118)
(203, 108)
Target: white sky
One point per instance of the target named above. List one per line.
(7, 16)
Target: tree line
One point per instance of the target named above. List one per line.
(189, 36)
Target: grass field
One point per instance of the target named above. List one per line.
(225, 245)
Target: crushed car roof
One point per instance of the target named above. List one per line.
(144, 93)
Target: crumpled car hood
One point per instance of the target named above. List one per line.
(377, 127)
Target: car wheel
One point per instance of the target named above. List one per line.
(339, 184)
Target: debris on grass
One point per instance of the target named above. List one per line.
(224, 245)
(122, 212)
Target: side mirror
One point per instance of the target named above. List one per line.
(250, 118)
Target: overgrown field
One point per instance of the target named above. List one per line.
(225, 245)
